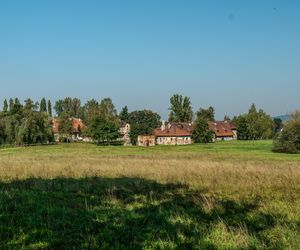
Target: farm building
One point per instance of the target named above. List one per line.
(174, 134)
(146, 140)
(223, 130)
(124, 132)
(77, 127)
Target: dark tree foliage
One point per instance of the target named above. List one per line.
(142, 122)
(59, 107)
(49, 108)
(201, 132)
(35, 128)
(180, 109)
(24, 124)
(11, 105)
(43, 105)
(255, 125)
(5, 106)
(2, 132)
(242, 128)
(65, 126)
(206, 114)
(17, 107)
(124, 114)
(288, 140)
(91, 111)
(278, 125)
(103, 131)
(69, 106)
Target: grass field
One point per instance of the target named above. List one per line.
(226, 195)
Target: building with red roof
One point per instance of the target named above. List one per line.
(223, 130)
(77, 127)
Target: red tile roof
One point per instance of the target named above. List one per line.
(76, 125)
(174, 130)
(222, 128)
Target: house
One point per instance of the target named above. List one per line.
(124, 132)
(77, 127)
(178, 133)
(223, 130)
(146, 140)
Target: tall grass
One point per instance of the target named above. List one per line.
(226, 195)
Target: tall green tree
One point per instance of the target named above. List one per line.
(43, 105)
(180, 109)
(142, 122)
(17, 106)
(59, 107)
(35, 128)
(69, 106)
(91, 111)
(49, 108)
(107, 110)
(103, 130)
(124, 114)
(206, 114)
(201, 132)
(5, 106)
(254, 125)
(278, 125)
(11, 105)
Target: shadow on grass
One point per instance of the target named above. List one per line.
(121, 213)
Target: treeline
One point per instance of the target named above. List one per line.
(30, 122)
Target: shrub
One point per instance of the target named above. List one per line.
(288, 140)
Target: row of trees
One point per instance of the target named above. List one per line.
(27, 123)
(255, 125)
(31, 122)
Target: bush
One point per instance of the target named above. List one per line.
(288, 140)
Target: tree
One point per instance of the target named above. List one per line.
(103, 130)
(242, 127)
(2, 132)
(91, 111)
(35, 128)
(206, 114)
(226, 118)
(65, 126)
(288, 140)
(5, 106)
(43, 105)
(69, 106)
(49, 108)
(17, 106)
(59, 107)
(181, 109)
(124, 114)
(142, 123)
(254, 125)
(29, 105)
(201, 132)
(278, 125)
(107, 110)
(11, 105)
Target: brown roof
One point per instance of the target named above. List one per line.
(76, 125)
(222, 128)
(174, 130)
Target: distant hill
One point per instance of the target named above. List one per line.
(284, 118)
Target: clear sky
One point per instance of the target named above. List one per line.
(223, 53)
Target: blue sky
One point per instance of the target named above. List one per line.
(223, 53)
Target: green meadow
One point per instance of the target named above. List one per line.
(224, 195)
